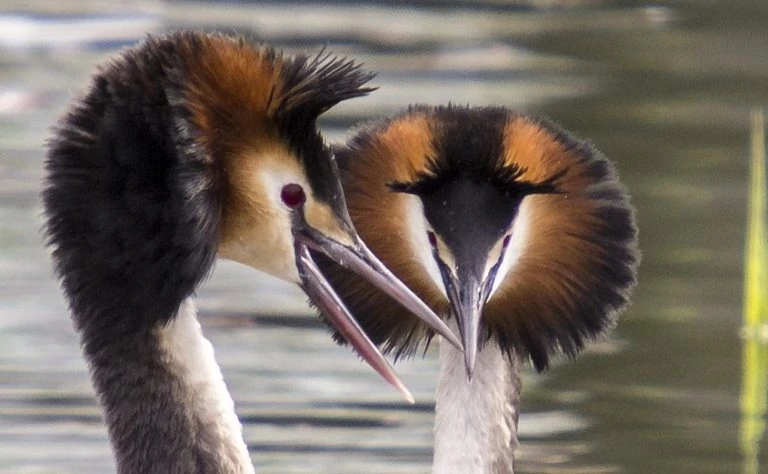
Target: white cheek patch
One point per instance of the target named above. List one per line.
(516, 245)
(265, 241)
(279, 260)
(416, 226)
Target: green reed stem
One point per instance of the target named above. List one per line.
(754, 385)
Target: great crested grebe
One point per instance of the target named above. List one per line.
(518, 230)
(184, 148)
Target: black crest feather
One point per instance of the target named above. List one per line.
(312, 85)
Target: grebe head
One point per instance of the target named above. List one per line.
(518, 229)
(192, 146)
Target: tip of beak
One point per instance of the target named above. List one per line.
(469, 328)
(470, 353)
(451, 337)
(404, 392)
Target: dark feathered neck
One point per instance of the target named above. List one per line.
(131, 199)
(132, 207)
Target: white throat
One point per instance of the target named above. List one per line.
(476, 422)
(191, 357)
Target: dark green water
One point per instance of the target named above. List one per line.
(663, 89)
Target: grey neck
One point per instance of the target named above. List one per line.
(166, 404)
(476, 422)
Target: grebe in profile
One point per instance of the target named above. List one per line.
(186, 148)
(515, 228)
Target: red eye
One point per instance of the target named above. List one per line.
(505, 243)
(293, 195)
(432, 239)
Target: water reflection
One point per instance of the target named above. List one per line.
(664, 91)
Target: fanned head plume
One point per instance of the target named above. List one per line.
(508, 223)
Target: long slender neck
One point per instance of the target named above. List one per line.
(476, 422)
(165, 401)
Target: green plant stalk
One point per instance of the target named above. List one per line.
(756, 263)
(754, 387)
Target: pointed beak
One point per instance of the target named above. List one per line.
(468, 295)
(362, 261)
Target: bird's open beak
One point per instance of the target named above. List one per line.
(362, 261)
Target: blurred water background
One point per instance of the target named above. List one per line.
(663, 88)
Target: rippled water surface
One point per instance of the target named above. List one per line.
(663, 89)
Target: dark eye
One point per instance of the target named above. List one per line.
(432, 239)
(505, 242)
(293, 195)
